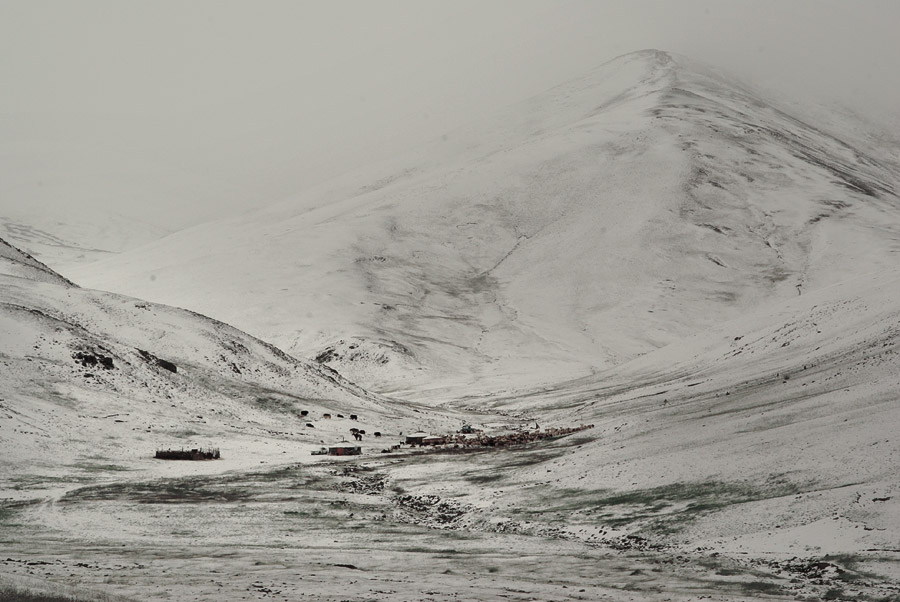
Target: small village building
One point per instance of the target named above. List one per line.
(433, 440)
(344, 448)
(416, 438)
(193, 454)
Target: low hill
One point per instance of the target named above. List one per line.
(89, 374)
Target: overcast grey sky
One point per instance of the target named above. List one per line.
(179, 111)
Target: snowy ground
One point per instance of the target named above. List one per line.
(753, 461)
(363, 530)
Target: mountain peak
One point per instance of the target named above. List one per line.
(607, 217)
(661, 57)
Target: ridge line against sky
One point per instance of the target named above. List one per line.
(176, 113)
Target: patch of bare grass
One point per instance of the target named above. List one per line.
(22, 589)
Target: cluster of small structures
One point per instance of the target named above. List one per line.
(469, 438)
(465, 437)
(344, 448)
(188, 454)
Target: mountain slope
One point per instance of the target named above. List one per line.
(773, 434)
(604, 219)
(14, 262)
(88, 374)
(63, 238)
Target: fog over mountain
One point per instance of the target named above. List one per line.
(171, 114)
(416, 301)
(605, 218)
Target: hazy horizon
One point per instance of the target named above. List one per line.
(177, 113)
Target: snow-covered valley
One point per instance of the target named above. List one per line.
(651, 250)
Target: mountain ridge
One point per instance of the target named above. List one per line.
(17, 262)
(610, 216)
(66, 237)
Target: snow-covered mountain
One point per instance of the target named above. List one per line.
(89, 374)
(774, 431)
(709, 281)
(606, 218)
(65, 238)
(17, 263)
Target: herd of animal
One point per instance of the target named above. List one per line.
(468, 437)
